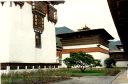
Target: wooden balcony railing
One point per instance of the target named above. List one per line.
(39, 7)
(52, 14)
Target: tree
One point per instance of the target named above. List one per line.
(80, 59)
(110, 62)
(97, 63)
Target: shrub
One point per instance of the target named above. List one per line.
(110, 63)
(79, 59)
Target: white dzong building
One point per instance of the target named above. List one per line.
(27, 33)
(94, 42)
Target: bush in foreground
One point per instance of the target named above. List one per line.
(46, 76)
(110, 62)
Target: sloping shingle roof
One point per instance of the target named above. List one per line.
(113, 45)
(62, 30)
(103, 32)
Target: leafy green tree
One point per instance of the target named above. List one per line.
(79, 59)
(69, 62)
(110, 62)
(97, 63)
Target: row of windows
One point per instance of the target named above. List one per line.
(38, 39)
(38, 21)
(40, 9)
(38, 24)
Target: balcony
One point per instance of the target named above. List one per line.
(52, 14)
(39, 7)
(38, 23)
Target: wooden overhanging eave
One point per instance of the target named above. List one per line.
(87, 33)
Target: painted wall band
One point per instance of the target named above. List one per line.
(88, 50)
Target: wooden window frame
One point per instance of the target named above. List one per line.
(37, 40)
(38, 23)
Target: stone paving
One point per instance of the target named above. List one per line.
(122, 78)
(88, 80)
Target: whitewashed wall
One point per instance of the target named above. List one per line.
(122, 63)
(100, 56)
(5, 30)
(63, 57)
(96, 55)
(18, 38)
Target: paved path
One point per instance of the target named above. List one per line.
(122, 78)
(88, 80)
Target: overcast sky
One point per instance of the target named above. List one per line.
(94, 13)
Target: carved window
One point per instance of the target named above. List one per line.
(37, 40)
(52, 14)
(39, 9)
(38, 23)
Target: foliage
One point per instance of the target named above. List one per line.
(52, 75)
(110, 62)
(111, 72)
(80, 60)
(34, 77)
(97, 63)
(69, 62)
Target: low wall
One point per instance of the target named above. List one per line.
(20, 67)
(122, 64)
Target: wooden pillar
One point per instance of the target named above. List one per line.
(39, 67)
(18, 68)
(32, 67)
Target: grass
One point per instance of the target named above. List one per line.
(45, 76)
(93, 72)
(35, 77)
(77, 72)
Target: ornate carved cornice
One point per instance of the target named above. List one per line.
(2, 2)
(20, 3)
(39, 7)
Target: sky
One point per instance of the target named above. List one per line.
(95, 14)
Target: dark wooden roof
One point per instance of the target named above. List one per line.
(56, 2)
(102, 32)
(58, 43)
(119, 11)
(62, 30)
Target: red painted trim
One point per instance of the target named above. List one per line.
(88, 50)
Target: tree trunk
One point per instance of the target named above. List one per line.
(82, 68)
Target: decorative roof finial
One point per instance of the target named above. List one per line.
(85, 28)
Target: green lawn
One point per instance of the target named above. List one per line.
(88, 74)
(77, 72)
